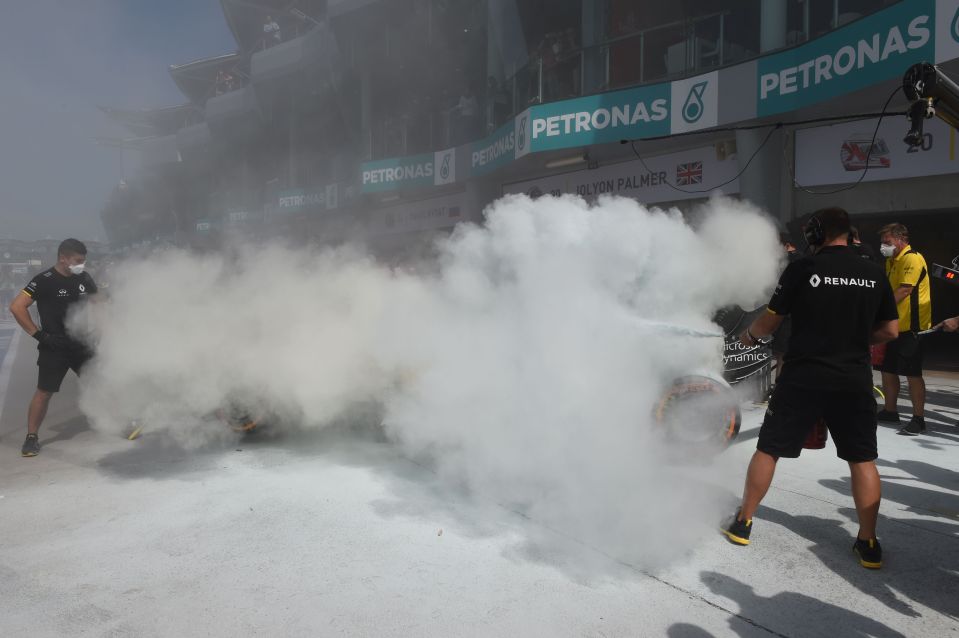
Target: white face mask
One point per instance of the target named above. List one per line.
(77, 269)
(887, 250)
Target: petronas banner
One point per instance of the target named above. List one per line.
(874, 49)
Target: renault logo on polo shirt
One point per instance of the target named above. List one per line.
(849, 281)
(815, 280)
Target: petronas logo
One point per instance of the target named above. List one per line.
(521, 141)
(693, 108)
(954, 29)
(445, 169)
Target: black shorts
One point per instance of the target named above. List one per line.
(904, 355)
(849, 415)
(54, 365)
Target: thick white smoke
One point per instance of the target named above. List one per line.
(525, 364)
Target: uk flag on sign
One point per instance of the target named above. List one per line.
(690, 173)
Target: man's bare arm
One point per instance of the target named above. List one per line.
(20, 309)
(949, 325)
(764, 325)
(884, 331)
(902, 292)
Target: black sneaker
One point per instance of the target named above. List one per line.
(737, 531)
(885, 416)
(31, 447)
(915, 427)
(869, 552)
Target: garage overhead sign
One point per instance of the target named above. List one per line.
(676, 176)
(838, 154)
(431, 214)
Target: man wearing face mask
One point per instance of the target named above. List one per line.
(909, 279)
(54, 291)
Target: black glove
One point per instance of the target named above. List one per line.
(52, 341)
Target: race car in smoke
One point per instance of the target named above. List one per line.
(698, 414)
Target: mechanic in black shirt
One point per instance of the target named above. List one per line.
(839, 304)
(864, 250)
(54, 291)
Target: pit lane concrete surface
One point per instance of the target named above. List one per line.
(337, 534)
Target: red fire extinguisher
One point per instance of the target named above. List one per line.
(877, 354)
(818, 436)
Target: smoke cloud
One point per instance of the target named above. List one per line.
(524, 363)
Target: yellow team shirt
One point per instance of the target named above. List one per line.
(909, 268)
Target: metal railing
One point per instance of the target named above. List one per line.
(624, 60)
(682, 47)
(416, 133)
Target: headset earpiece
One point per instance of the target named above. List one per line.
(814, 232)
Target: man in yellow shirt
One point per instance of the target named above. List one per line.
(909, 279)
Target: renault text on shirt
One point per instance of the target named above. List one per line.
(836, 299)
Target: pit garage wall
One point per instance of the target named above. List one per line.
(903, 197)
(766, 181)
(927, 205)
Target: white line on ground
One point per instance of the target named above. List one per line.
(7, 365)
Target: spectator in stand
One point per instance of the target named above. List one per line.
(224, 82)
(627, 25)
(550, 51)
(467, 111)
(908, 276)
(497, 108)
(570, 62)
(271, 33)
